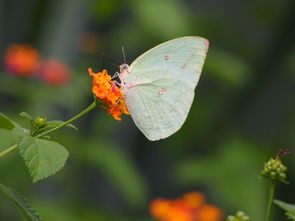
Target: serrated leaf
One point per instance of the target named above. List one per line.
(26, 115)
(289, 208)
(19, 133)
(55, 123)
(42, 157)
(21, 203)
(5, 122)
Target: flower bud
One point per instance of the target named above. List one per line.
(282, 176)
(231, 218)
(240, 216)
(273, 175)
(39, 121)
(274, 170)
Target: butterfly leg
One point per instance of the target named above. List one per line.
(115, 75)
(116, 82)
(111, 111)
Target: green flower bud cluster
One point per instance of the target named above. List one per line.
(240, 216)
(37, 125)
(40, 121)
(274, 170)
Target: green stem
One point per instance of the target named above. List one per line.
(89, 108)
(270, 199)
(4, 152)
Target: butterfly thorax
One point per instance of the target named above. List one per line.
(124, 72)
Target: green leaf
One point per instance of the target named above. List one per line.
(21, 203)
(26, 115)
(289, 208)
(6, 123)
(55, 123)
(42, 157)
(19, 133)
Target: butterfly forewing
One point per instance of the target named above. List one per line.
(161, 85)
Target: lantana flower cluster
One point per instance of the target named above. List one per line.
(107, 91)
(21, 60)
(190, 207)
(25, 60)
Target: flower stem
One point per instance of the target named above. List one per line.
(89, 108)
(8, 150)
(270, 198)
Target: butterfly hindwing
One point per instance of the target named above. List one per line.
(158, 108)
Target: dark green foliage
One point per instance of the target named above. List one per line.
(21, 203)
(5, 123)
(289, 208)
(243, 112)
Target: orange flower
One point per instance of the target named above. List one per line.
(194, 199)
(159, 208)
(21, 60)
(210, 213)
(190, 207)
(180, 211)
(106, 90)
(170, 210)
(54, 72)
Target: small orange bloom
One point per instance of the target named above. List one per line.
(179, 211)
(170, 210)
(159, 208)
(210, 213)
(190, 207)
(106, 90)
(54, 72)
(21, 60)
(194, 199)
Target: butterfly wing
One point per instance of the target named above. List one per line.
(161, 85)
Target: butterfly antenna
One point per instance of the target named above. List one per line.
(111, 58)
(115, 65)
(123, 52)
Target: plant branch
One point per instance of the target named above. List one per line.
(89, 108)
(8, 150)
(270, 198)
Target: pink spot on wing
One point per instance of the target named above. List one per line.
(162, 91)
(206, 43)
(166, 58)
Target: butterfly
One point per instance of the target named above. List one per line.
(159, 85)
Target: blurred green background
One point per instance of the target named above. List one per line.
(244, 109)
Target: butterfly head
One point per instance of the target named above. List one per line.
(124, 70)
